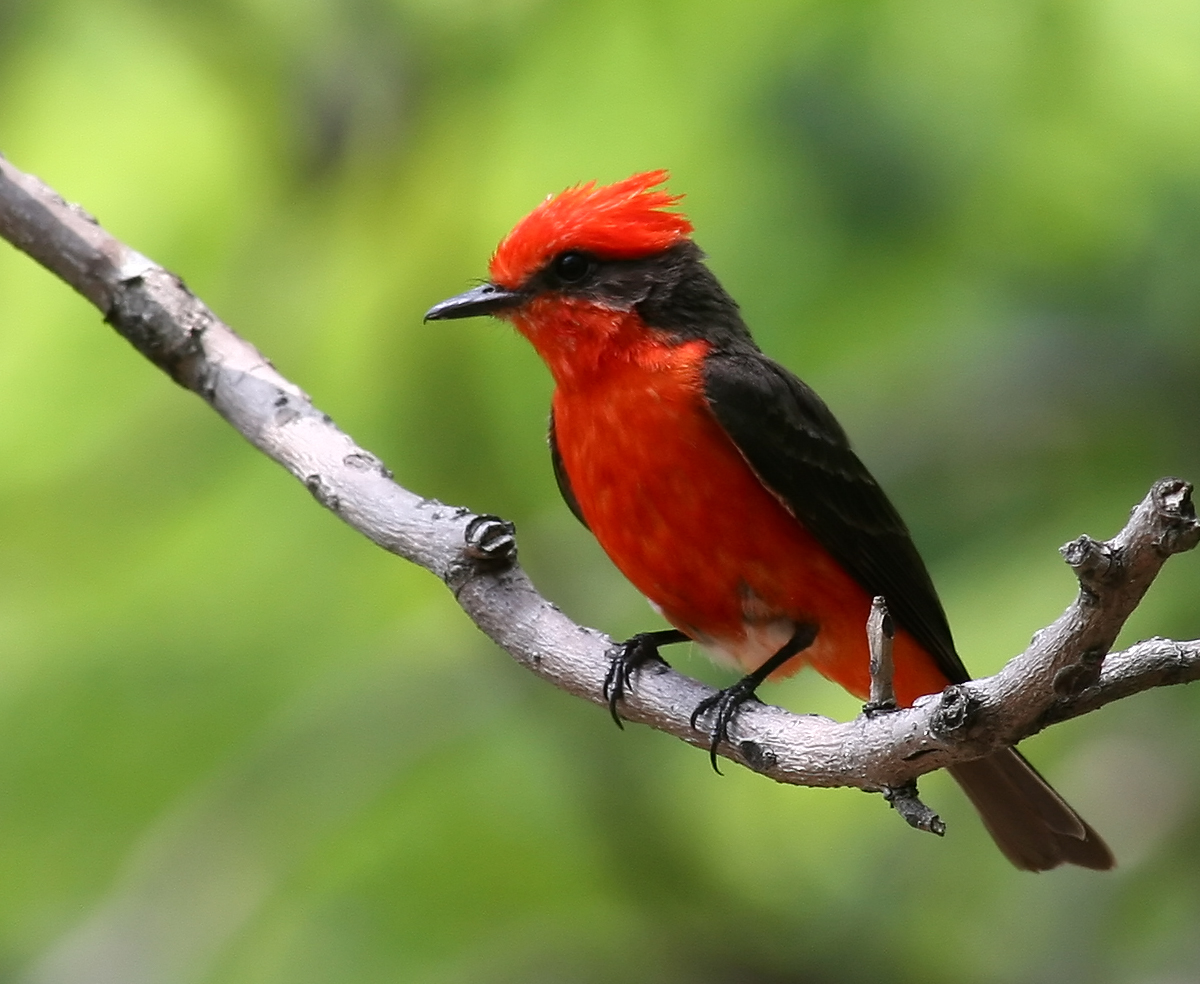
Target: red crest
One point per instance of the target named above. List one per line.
(619, 221)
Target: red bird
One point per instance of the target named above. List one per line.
(723, 487)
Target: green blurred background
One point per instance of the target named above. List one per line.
(240, 744)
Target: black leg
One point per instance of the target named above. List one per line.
(727, 701)
(628, 656)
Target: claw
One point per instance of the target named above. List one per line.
(630, 655)
(726, 702)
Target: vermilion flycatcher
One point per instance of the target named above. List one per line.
(723, 487)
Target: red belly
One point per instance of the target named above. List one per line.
(676, 507)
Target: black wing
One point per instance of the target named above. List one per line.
(800, 452)
(561, 477)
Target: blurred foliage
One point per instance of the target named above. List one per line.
(240, 744)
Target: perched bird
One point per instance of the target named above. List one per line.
(722, 486)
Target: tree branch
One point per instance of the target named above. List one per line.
(1066, 671)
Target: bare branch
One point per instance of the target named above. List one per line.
(1066, 671)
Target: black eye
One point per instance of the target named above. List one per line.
(571, 268)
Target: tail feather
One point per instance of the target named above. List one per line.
(1034, 826)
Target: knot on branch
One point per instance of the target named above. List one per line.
(156, 313)
(323, 492)
(358, 460)
(957, 710)
(1093, 562)
(756, 756)
(1176, 516)
(1073, 680)
(491, 542)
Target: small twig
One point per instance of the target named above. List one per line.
(904, 800)
(881, 633)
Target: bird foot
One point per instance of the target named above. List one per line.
(630, 655)
(725, 703)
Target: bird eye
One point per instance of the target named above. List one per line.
(571, 268)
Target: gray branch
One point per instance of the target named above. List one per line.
(1066, 671)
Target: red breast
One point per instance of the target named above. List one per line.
(681, 514)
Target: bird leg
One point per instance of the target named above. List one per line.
(628, 656)
(727, 701)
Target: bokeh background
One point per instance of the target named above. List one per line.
(240, 744)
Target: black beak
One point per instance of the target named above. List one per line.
(484, 299)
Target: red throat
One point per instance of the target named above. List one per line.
(582, 342)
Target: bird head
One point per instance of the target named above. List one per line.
(579, 261)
